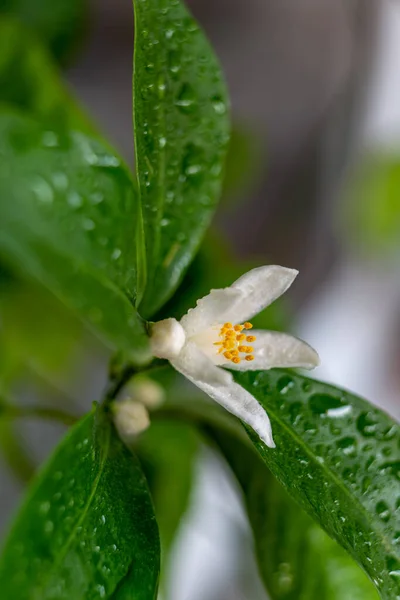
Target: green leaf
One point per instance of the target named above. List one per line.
(167, 451)
(338, 456)
(22, 58)
(181, 132)
(86, 525)
(372, 208)
(297, 560)
(60, 24)
(68, 217)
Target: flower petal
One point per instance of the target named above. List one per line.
(214, 309)
(260, 287)
(221, 387)
(245, 298)
(273, 349)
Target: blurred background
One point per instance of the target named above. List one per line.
(313, 182)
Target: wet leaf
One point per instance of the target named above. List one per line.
(22, 58)
(297, 560)
(181, 133)
(68, 212)
(86, 525)
(338, 456)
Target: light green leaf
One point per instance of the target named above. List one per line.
(372, 209)
(30, 81)
(297, 560)
(338, 456)
(60, 24)
(181, 133)
(86, 525)
(68, 218)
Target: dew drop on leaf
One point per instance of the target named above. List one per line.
(383, 511)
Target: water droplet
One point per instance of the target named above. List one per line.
(306, 386)
(366, 482)
(74, 200)
(44, 507)
(325, 404)
(116, 253)
(396, 538)
(88, 224)
(103, 519)
(96, 198)
(164, 222)
(50, 139)
(169, 33)
(162, 141)
(186, 98)
(294, 411)
(218, 105)
(285, 384)
(391, 468)
(284, 578)
(101, 590)
(366, 424)
(383, 511)
(48, 526)
(42, 190)
(96, 548)
(348, 445)
(60, 181)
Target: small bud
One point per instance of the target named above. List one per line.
(130, 418)
(146, 391)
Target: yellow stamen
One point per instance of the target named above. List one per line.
(231, 337)
(249, 357)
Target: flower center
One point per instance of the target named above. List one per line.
(232, 342)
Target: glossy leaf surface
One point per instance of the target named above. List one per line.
(297, 560)
(86, 525)
(181, 133)
(68, 213)
(338, 456)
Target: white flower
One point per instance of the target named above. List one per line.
(217, 334)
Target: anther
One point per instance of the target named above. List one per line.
(238, 327)
(249, 349)
(249, 357)
(236, 360)
(251, 338)
(248, 325)
(241, 337)
(242, 348)
(228, 355)
(228, 325)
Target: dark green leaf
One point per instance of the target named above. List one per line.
(338, 456)
(297, 560)
(243, 162)
(68, 217)
(181, 132)
(30, 81)
(86, 524)
(167, 451)
(58, 23)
